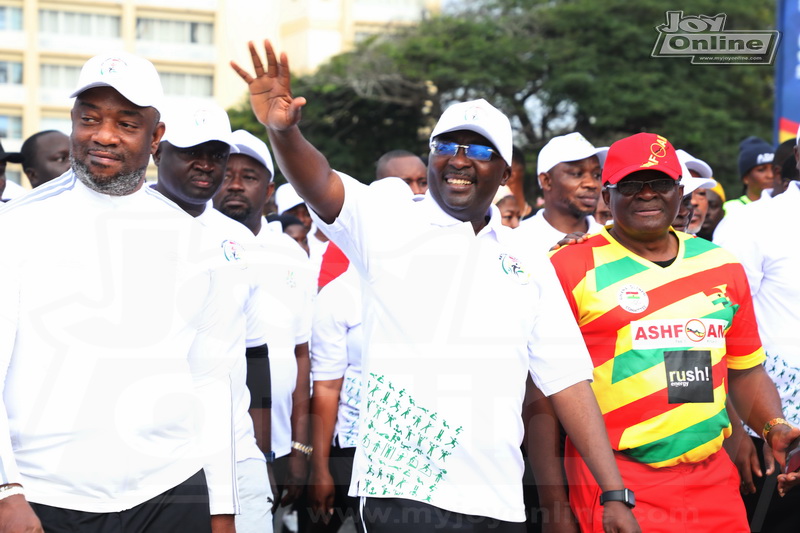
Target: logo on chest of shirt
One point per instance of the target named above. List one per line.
(512, 267)
(689, 378)
(633, 299)
(678, 333)
(233, 252)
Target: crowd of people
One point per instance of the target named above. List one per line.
(433, 351)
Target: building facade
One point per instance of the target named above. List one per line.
(43, 44)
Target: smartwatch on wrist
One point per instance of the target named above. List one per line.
(625, 496)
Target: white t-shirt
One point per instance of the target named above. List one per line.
(114, 356)
(245, 290)
(336, 340)
(453, 322)
(543, 236)
(283, 269)
(762, 237)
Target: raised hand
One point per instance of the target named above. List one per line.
(270, 89)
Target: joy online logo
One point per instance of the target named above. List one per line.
(705, 40)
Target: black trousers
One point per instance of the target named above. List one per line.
(397, 515)
(182, 509)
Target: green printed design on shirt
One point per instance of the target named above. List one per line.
(406, 445)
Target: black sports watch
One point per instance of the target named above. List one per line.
(625, 496)
(270, 457)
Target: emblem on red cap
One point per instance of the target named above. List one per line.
(657, 150)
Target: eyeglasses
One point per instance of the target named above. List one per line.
(629, 188)
(477, 152)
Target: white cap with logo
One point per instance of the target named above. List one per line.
(193, 123)
(249, 144)
(566, 148)
(133, 77)
(481, 117)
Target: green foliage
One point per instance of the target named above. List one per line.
(552, 66)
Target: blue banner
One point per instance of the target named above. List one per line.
(787, 72)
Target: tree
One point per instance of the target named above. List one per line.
(552, 66)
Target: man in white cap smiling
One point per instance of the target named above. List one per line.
(110, 360)
(569, 175)
(444, 377)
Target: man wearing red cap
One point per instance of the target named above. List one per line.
(669, 323)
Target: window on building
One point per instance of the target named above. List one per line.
(10, 127)
(59, 76)
(174, 31)
(10, 73)
(84, 24)
(179, 84)
(10, 18)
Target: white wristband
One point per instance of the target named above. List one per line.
(11, 490)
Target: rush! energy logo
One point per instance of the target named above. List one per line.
(689, 378)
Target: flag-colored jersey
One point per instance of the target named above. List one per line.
(662, 340)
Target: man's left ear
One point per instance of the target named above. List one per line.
(506, 175)
(158, 132)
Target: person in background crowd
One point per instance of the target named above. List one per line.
(191, 161)
(406, 166)
(569, 175)
(696, 176)
(506, 203)
(5, 157)
(296, 230)
(602, 215)
(698, 169)
(518, 183)
(715, 197)
(45, 156)
(755, 171)
(771, 267)
(783, 153)
(289, 202)
(290, 285)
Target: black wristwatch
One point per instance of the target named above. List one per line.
(625, 496)
(270, 457)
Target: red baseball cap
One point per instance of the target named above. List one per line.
(643, 151)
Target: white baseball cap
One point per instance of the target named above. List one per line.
(692, 183)
(286, 198)
(566, 148)
(193, 123)
(249, 144)
(133, 77)
(692, 163)
(481, 117)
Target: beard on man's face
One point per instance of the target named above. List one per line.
(119, 184)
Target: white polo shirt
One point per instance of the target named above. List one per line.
(543, 236)
(284, 270)
(453, 322)
(245, 292)
(336, 341)
(115, 358)
(762, 237)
